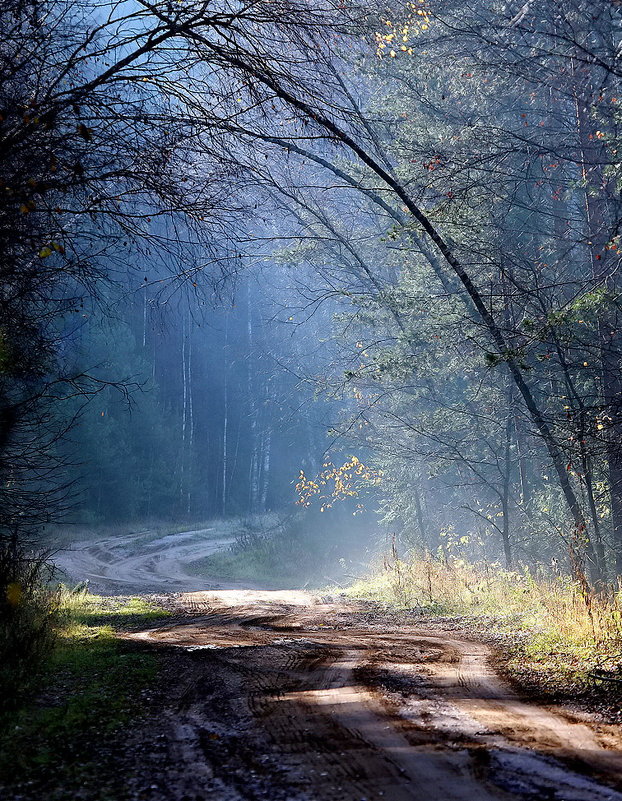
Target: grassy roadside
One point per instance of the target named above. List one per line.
(92, 684)
(305, 548)
(549, 640)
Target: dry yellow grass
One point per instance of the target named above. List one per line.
(551, 605)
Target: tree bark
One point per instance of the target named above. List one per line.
(600, 223)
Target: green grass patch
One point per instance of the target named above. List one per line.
(304, 548)
(252, 564)
(114, 611)
(262, 564)
(90, 687)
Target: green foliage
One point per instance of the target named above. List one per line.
(89, 688)
(124, 449)
(307, 547)
(29, 612)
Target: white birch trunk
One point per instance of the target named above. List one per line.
(254, 466)
(190, 424)
(184, 410)
(265, 482)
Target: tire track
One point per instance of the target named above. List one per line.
(314, 681)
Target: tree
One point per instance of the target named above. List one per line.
(329, 117)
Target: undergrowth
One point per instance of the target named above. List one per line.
(90, 686)
(28, 616)
(553, 639)
(306, 547)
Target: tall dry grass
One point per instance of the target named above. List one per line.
(547, 602)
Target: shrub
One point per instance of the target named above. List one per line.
(28, 613)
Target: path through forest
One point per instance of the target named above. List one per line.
(143, 561)
(290, 695)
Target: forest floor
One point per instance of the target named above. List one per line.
(253, 695)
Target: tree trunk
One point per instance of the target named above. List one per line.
(600, 222)
(184, 412)
(265, 469)
(507, 480)
(190, 447)
(420, 518)
(225, 426)
(255, 458)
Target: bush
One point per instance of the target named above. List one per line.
(304, 546)
(28, 613)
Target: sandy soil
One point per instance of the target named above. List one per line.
(329, 702)
(139, 563)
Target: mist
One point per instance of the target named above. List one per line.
(310, 354)
(396, 247)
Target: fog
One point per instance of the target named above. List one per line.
(219, 423)
(310, 399)
(354, 254)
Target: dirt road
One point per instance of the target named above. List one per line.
(289, 696)
(143, 562)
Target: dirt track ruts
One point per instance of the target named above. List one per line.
(331, 703)
(143, 561)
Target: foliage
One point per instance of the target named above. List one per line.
(29, 613)
(551, 637)
(397, 38)
(307, 547)
(487, 385)
(89, 688)
(333, 484)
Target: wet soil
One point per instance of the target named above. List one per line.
(284, 696)
(288, 696)
(143, 563)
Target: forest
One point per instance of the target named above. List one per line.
(310, 322)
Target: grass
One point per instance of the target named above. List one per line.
(90, 687)
(303, 548)
(254, 564)
(552, 639)
(268, 564)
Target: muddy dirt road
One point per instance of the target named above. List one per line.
(289, 696)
